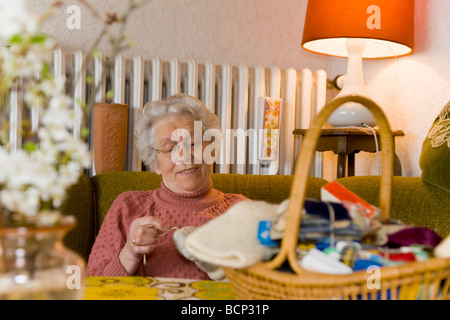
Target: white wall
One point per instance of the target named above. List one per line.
(252, 32)
(412, 90)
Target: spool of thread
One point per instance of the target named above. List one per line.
(349, 254)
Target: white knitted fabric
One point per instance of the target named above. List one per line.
(214, 271)
(230, 240)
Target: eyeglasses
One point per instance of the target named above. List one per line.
(167, 149)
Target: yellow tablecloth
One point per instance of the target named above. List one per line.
(140, 288)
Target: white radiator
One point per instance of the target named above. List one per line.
(232, 92)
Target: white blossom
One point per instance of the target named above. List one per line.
(34, 181)
(14, 18)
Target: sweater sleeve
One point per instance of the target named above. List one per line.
(104, 257)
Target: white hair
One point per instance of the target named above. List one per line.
(155, 111)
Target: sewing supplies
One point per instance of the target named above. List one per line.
(442, 250)
(344, 234)
(336, 192)
(264, 238)
(317, 261)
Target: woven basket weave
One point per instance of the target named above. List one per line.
(417, 280)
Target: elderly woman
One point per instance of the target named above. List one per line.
(136, 236)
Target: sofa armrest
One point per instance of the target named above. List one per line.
(107, 186)
(80, 204)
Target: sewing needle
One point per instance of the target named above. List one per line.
(144, 261)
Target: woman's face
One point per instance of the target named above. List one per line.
(183, 170)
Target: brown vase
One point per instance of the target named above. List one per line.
(110, 136)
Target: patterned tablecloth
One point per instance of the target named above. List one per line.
(140, 288)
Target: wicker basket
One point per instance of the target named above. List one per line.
(418, 280)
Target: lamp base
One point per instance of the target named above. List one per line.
(351, 114)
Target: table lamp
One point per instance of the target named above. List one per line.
(357, 29)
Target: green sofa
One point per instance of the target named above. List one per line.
(413, 200)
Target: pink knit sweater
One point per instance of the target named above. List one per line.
(176, 210)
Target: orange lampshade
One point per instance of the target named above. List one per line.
(388, 25)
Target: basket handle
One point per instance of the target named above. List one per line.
(303, 166)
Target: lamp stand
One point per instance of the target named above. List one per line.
(351, 113)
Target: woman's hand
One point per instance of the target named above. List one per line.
(141, 240)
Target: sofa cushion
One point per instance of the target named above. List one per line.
(435, 157)
(270, 188)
